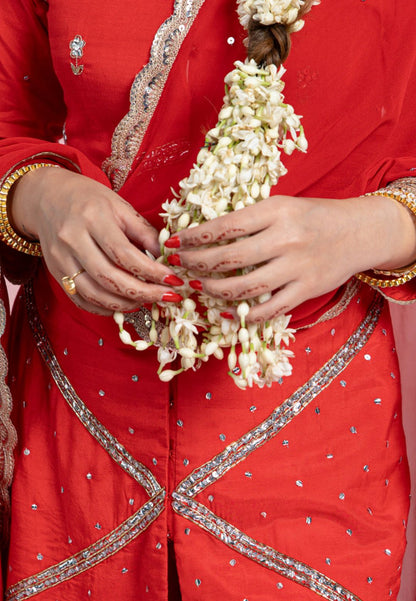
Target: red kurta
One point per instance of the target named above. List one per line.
(296, 491)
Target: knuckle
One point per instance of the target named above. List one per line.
(64, 234)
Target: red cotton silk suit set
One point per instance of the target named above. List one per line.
(297, 491)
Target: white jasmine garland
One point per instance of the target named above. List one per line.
(268, 12)
(238, 165)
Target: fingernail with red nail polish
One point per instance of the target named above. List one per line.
(195, 284)
(173, 242)
(174, 260)
(226, 315)
(173, 280)
(171, 297)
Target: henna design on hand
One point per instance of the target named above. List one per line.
(232, 230)
(279, 311)
(136, 271)
(231, 263)
(254, 291)
(92, 300)
(198, 240)
(114, 307)
(131, 293)
(227, 294)
(106, 279)
(200, 266)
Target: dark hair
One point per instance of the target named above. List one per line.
(269, 44)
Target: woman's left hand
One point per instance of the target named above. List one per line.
(301, 247)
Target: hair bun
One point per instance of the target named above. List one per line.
(268, 44)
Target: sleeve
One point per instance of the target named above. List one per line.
(32, 109)
(390, 171)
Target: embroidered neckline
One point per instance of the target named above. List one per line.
(147, 89)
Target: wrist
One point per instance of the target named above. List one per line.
(12, 230)
(400, 266)
(25, 197)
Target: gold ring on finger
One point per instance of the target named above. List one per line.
(68, 282)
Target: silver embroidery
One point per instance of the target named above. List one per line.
(115, 449)
(91, 556)
(264, 555)
(239, 450)
(147, 89)
(183, 496)
(8, 437)
(76, 47)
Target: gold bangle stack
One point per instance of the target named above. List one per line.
(403, 191)
(7, 234)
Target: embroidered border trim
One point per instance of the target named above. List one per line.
(239, 450)
(183, 497)
(8, 436)
(110, 444)
(92, 555)
(264, 555)
(147, 89)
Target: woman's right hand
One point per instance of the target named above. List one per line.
(81, 224)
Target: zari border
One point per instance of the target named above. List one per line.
(91, 556)
(239, 450)
(147, 89)
(110, 444)
(8, 436)
(185, 505)
(262, 554)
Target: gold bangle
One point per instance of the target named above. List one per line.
(7, 234)
(402, 191)
(387, 283)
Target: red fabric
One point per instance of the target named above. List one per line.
(331, 489)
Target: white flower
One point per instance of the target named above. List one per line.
(125, 337)
(237, 167)
(118, 318)
(168, 374)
